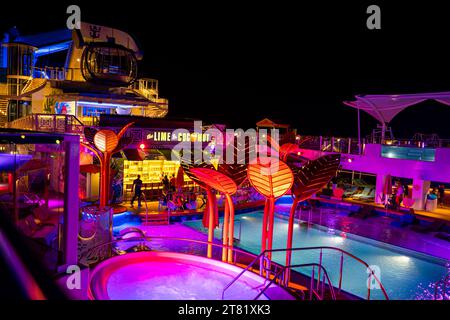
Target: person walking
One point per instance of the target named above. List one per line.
(137, 186)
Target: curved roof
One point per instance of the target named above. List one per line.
(385, 107)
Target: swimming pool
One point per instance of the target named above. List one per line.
(401, 271)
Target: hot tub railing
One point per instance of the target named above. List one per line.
(265, 267)
(317, 287)
(259, 263)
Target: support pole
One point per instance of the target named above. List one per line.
(230, 227)
(211, 209)
(359, 132)
(71, 205)
(264, 226)
(270, 225)
(290, 236)
(105, 179)
(225, 231)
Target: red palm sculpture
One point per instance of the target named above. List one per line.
(224, 184)
(104, 143)
(310, 176)
(272, 178)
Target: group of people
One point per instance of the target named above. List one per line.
(401, 191)
(171, 197)
(168, 184)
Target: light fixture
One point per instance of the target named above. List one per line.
(58, 141)
(22, 136)
(142, 146)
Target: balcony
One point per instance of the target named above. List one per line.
(48, 123)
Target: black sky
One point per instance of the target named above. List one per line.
(231, 63)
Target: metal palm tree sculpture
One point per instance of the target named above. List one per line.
(272, 178)
(310, 176)
(226, 179)
(104, 143)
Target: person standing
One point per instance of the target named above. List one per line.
(399, 194)
(441, 195)
(137, 186)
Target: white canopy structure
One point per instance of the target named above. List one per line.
(385, 107)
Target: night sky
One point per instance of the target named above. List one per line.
(223, 62)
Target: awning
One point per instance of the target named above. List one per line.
(385, 107)
(133, 155)
(89, 168)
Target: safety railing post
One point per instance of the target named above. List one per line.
(340, 272)
(320, 268)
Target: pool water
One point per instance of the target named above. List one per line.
(400, 271)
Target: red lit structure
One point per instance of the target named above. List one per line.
(105, 143)
(224, 184)
(272, 178)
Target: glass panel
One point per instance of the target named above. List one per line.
(32, 195)
(408, 153)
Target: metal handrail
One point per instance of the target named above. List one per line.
(343, 252)
(312, 291)
(258, 257)
(135, 239)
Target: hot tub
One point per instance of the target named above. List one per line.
(153, 275)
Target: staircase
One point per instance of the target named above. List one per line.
(3, 112)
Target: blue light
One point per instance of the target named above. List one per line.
(52, 49)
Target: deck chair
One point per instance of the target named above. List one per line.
(351, 191)
(364, 193)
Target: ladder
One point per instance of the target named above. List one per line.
(156, 219)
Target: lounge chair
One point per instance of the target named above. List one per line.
(351, 191)
(436, 226)
(364, 193)
(369, 196)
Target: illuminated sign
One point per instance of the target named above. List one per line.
(167, 136)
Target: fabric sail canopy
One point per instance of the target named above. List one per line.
(384, 108)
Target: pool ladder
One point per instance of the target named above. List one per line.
(279, 274)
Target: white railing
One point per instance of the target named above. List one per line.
(54, 73)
